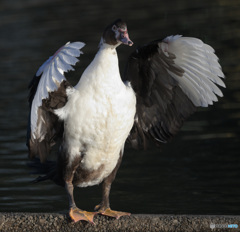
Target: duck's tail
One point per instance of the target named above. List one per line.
(48, 169)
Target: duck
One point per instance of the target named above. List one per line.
(164, 82)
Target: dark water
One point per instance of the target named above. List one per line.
(198, 173)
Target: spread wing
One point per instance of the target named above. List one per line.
(171, 78)
(47, 93)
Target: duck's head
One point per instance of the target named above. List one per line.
(116, 34)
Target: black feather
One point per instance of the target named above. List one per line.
(162, 106)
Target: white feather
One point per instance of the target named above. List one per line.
(52, 75)
(202, 70)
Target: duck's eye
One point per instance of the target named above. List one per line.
(114, 28)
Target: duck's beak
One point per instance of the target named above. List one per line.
(124, 37)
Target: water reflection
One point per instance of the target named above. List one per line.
(197, 173)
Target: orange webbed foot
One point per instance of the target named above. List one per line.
(111, 213)
(77, 214)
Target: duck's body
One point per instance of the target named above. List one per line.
(97, 133)
(163, 84)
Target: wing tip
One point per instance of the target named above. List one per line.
(75, 45)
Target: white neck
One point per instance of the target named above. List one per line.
(104, 67)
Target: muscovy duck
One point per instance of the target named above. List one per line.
(164, 82)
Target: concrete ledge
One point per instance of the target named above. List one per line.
(60, 222)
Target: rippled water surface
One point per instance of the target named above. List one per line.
(198, 172)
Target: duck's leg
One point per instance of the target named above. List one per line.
(104, 207)
(75, 213)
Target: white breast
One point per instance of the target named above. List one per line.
(99, 115)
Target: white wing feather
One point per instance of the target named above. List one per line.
(52, 72)
(202, 70)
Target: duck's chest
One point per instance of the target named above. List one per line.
(103, 115)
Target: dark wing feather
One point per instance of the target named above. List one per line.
(164, 95)
(32, 90)
(49, 124)
(47, 92)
